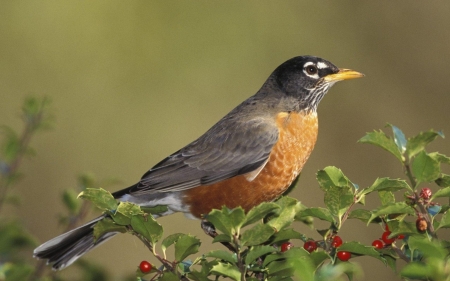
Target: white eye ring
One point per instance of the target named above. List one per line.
(311, 70)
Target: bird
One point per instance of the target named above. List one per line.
(250, 156)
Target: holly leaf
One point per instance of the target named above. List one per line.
(256, 252)
(226, 269)
(318, 257)
(444, 192)
(445, 221)
(125, 211)
(286, 234)
(320, 213)
(392, 208)
(101, 198)
(332, 177)
(285, 215)
(360, 214)
(380, 139)
(338, 200)
(418, 143)
(186, 245)
(399, 138)
(148, 227)
(169, 240)
(223, 255)
(386, 197)
(227, 221)
(401, 227)
(256, 235)
(359, 249)
(441, 158)
(425, 168)
(107, 225)
(387, 184)
(259, 212)
(443, 181)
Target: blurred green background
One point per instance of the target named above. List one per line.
(133, 81)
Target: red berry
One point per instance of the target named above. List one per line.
(145, 266)
(337, 241)
(378, 244)
(400, 237)
(386, 239)
(421, 225)
(310, 246)
(426, 193)
(286, 246)
(344, 255)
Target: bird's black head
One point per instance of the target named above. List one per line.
(308, 78)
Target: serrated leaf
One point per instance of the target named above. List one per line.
(399, 138)
(125, 211)
(380, 139)
(360, 214)
(427, 247)
(256, 252)
(155, 210)
(443, 181)
(222, 238)
(401, 227)
(286, 234)
(317, 212)
(444, 192)
(338, 200)
(425, 168)
(445, 221)
(227, 269)
(148, 227)
(256, 235)
(360, 249)
(105, 226)
(101, 198)
(259, 212)
(418, 143)
(186, 245)
(169, 240)
(332, 177)
(227, 221)
(285, 215)
(393, 208)
(386, 197)
(318, 257)
(441, 158)
(387, 184)
(223, 255)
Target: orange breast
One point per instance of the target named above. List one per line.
(297, 136)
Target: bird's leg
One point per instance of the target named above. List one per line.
(210, 230)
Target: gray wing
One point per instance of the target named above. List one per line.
(221, 153)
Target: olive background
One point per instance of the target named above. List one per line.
(133, 81)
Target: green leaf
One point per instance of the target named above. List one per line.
(227, 269)
(222, 238)
(393, 208)
(259, 212)
(399, 138)
(155, 210)
(387, 184)
(101, 198)
(425, 168)
(169, 240)
(105, 226)
(418, 143)
(401, 227)
(256, 235)
(186, 245)
(286, 234)
(332, 177)
(223, 255)
(443, 181)
(148, 227)
(317, 212)
(386, 197)
(338, 200)
(444, 192)
(125, 211)
(380, 139)
(318, 257)
(427, 247)
(445, 221)
(441, 158)
(415, 270)
(360, 214)
(256, 252)
(227, 221)
(285, 215)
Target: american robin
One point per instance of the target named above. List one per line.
(250, 156)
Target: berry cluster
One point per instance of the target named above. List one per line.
(336, 242)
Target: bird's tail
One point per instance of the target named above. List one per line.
(66, 248)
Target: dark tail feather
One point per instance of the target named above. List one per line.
(63, 250)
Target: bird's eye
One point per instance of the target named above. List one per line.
(311, 69)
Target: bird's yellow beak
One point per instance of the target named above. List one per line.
(343, 74)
